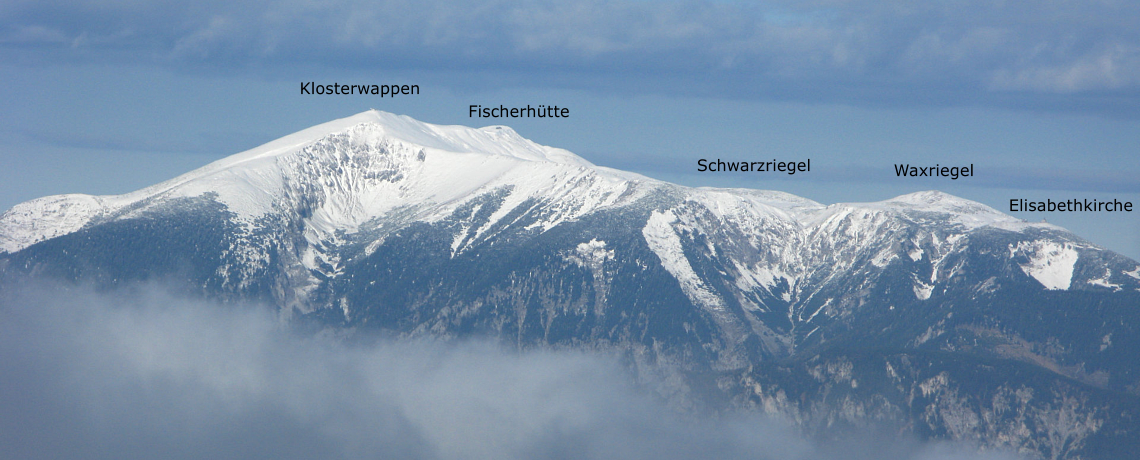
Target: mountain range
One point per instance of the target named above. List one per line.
(931, 314)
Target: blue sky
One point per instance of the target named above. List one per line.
(1043, 97)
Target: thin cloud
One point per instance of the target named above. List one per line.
(860, 50)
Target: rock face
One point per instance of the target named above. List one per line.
(927, 312)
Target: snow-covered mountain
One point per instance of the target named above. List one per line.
(929, 311)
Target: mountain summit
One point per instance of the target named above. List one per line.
(939, 315)
(339, 160)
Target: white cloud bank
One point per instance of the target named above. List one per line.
(143, 374)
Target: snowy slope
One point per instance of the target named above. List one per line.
(440, 164)
(377, 166)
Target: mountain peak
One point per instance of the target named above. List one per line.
(345, 172)
(491, 140)
(940, 202)
(969, 214)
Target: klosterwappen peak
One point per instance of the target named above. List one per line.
(491, 140)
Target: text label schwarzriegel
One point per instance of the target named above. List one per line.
(718, 165)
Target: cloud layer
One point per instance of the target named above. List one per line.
(891, 52)
(142, 374)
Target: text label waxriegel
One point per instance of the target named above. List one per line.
(953, 172)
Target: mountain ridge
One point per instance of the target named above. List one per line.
(16, 234)
(936, 313)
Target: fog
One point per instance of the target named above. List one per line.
(142, 373)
